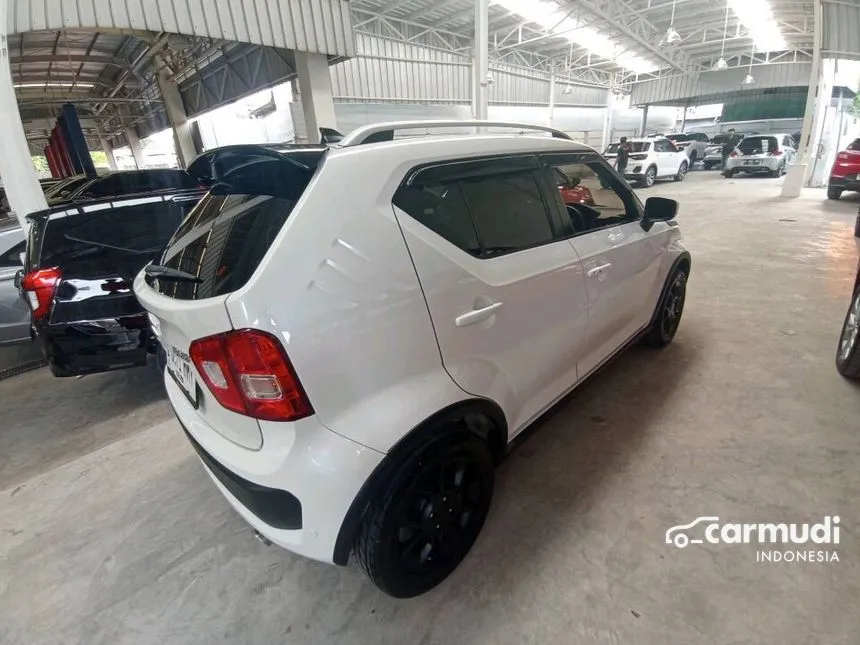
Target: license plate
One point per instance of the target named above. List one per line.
(753, 162)
(179, 366)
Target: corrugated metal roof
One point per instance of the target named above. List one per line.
(841, 29)
(321, 26)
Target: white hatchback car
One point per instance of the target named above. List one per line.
(652, 159)
(355, 333)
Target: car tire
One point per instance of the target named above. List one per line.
(708, 165)
(833, 192)
(857, 224)
(728, 174)
(669, 310)
(400, 532)
(682, 171)
(649, 177)
(848, 349)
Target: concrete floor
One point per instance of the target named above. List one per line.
(111, 533)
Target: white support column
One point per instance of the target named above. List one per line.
(644, 123)
(552, 98)
(796, 175)
(106, 147)
(482, 59)
(315, 90)
(16, 165)
(175, 110)
(136, 149)
(684, 119)
(607, 120)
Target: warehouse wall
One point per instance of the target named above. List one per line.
(388, 71)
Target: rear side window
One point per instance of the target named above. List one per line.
(854, 145)
(486, 208)
(224, 239)
(509, 212)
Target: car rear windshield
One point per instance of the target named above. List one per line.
(756, 145)
(679, 137)
(119, 239)
(224, 239)
(854, 145)
(635, 146)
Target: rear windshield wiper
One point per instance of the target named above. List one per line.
(169, 274)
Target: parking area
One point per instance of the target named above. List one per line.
(111, 532)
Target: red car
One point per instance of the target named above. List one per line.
(845, 174)
(571, 191)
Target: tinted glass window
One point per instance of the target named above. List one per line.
(635, 146)
(593, 196)
(224, 239)
(105, 187)
(439, 206)
(854, 145)
(120, 239)
(508, 210)
(679, 137)
(757, 145)
(12, 257)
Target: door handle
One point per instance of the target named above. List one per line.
(477, 315)
(598, 270)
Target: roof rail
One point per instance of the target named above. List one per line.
(385, 131)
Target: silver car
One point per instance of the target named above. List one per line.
(762, 153)
(14, 312)
(714, 150)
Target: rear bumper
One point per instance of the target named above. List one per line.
(296, 489)
(764, 165)
(95, 346)
(845, 183)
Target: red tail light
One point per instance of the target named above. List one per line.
(842, 156)
(733, 154)
(40, 287)
(776, 153)
(248, 372)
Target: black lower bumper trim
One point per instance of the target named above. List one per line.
(844, 184)
(277, 508)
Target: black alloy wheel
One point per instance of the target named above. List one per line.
(848, 351)
(668, 316)
(417, 533)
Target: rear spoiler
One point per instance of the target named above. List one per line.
(212, 166)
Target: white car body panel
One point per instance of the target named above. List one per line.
(365, 302)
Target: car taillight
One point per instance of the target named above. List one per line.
(733, 154)
(775, 153)
(639, 157)
(248, 372)
(842, 156)
(40, 287)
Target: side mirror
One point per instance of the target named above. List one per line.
(19, 276)
(659, 209)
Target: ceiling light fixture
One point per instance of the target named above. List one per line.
(757, 17)
(672, 37)
(721, 61)
(558, 23)
(568, 90)
(748, 79)
(53, 84)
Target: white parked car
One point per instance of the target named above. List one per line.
(355, 334)
(762, 153)
(652, 159)
(695, 144)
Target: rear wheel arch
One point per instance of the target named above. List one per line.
(481, 417)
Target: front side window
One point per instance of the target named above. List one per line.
(12, 257)
(593, 197)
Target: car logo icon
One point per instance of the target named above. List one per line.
(677, 536)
